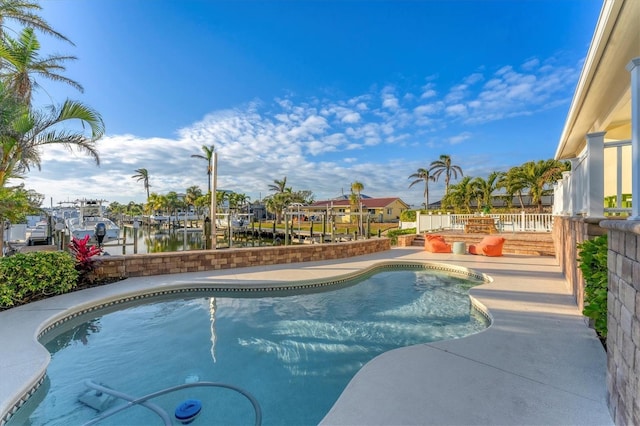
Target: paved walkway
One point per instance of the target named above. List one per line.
(537, 364)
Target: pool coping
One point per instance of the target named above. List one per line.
(27, 359)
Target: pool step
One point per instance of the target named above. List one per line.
(536, 244)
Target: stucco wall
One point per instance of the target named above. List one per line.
(203, 260)
(623, 321)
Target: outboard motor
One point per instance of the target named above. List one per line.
(100, 232)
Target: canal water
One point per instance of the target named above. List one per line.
(155, 240)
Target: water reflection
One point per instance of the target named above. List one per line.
(80, 333)
(154, 240)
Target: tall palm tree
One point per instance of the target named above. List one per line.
(21, 60)
(423, 175)
(356, 191)
(208, 157)
(444, 166)
(24, 12)
(143, 175)
(28, 131)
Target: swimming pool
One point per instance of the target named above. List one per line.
(294, 353)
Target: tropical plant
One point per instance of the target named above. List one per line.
(279, 186)
(423, 175)
(208, 157)
(486, 188)
(461, 194)
(444, 166)
(20, 60)
(592, 261)
(84, 255)
(143, 175)
(537, 178)
(30, 130)
(24, 12)
(15, 203)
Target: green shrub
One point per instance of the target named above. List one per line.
(393, 234)
(31, 276)
(592, 260)
(408, 216)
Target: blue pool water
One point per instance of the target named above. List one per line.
(295, 353)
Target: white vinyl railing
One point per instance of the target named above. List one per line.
(505, 222)
(598, 183)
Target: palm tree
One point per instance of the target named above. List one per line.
(445, 166)
(461, 194)
(281, 198)
(208, 157)
(143, 175)
(279, 186)
(356, 190)
(487, 187)
(20, 60)
(23, 132)
(23, 11)
(537, 178)
(423, 175)
(191, 196)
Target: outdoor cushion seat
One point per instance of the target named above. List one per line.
(489, 246)
(436, 244)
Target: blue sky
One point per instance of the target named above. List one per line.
(323, 92)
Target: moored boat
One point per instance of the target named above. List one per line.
(91, 221)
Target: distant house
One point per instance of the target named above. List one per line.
(378, 209)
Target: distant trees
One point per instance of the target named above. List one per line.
(533, 179)
(284, 196)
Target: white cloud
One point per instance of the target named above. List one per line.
(457, 109)
(454, 140)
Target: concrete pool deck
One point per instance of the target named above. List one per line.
(538, 363)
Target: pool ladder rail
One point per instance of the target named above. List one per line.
(99, 397)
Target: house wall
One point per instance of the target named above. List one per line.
(623, 300)
(205, 260)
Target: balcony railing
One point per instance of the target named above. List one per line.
(601, 167)
(505, 222)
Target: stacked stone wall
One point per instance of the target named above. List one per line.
(568, 232)
(137, 265)
(623, 321)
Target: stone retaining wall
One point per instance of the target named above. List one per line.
(137, 265)
(568, 232)
(623, 321)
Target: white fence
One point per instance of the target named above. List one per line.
(508, 222)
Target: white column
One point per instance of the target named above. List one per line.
(573, 190)
(595, 174)
(567, 203)
(634, 69)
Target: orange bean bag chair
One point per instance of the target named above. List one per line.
(489, 246)
(436, 244)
